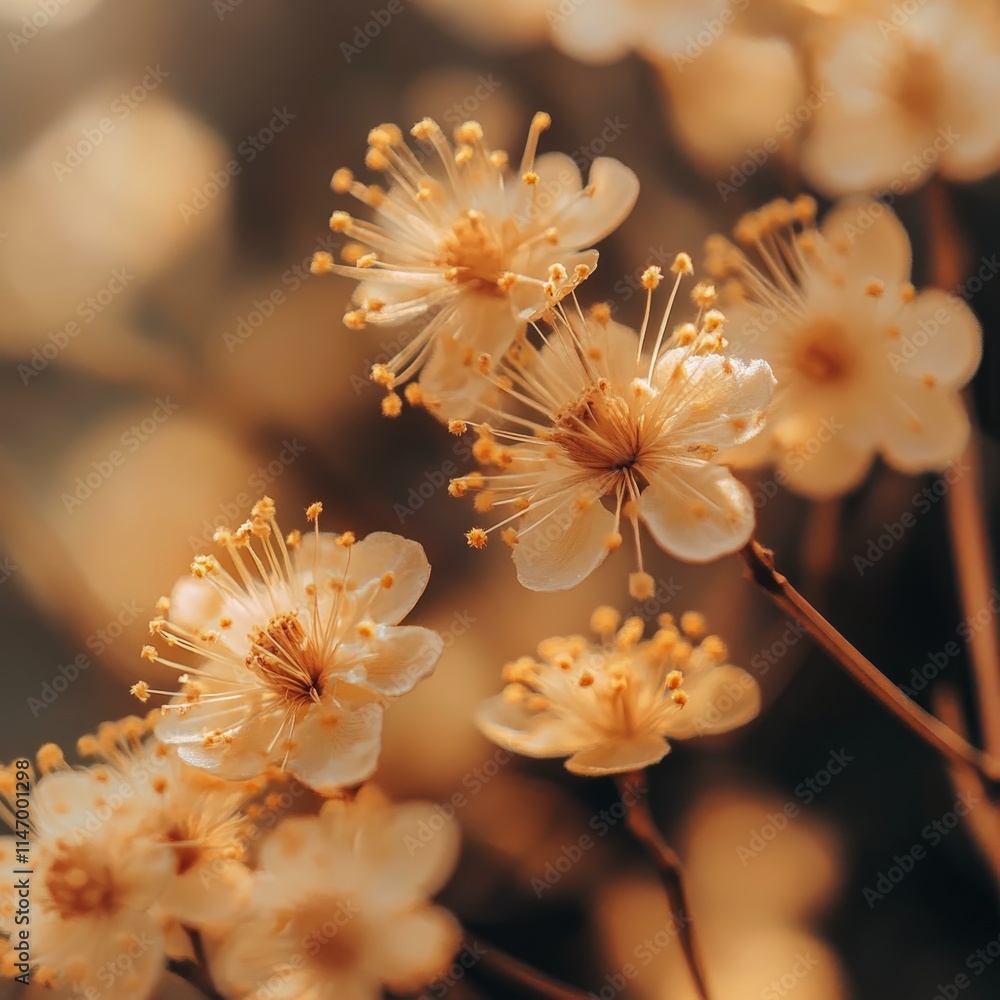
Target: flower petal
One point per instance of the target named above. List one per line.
(559, 545)
(870, 241)
(698, 513)
(403, 655)
(531, 734)
(939, 336)
(334, 749)
(718, 700)
(924, 428)
(611, 192)
(618, 756)
(416, 947)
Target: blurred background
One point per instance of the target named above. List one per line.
(166, 358)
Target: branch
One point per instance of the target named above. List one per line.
(931, 730)
(507, 967)
(634, 795)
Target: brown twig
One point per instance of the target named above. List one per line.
(635, 797)
(507, 967)
(195, 974)
(931, 730)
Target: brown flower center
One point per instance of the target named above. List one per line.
(598, 432)
(286, 660)
(79, 886)
(474, 251)
(821, 355)
(918, 84)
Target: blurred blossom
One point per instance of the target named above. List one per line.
(356, 916)
(914, 90)
(279, 359)
(752, 917)
(93, 207)
(602, 31)
(120, 528)
(864, 364)
(505, 24)
(737, 103)
(37, 14)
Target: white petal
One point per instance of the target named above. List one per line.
(698, 513)
(411, 850)
(871, 241)
(195, 604)
(924, 428)
(833, 469)
(939, 336)
(557, 551)
(528, 733)
(611, 192)
(404, 655)
(718, 700)
(725, 398)
(416, 947)
(372, 558)
(618, 756)
(335, 749)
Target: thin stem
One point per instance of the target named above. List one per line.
(970, 546)
(635, 797)
(932, 731)
(196, 975)
(512, 970)
(963, 504)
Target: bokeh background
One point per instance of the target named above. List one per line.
(164, 172)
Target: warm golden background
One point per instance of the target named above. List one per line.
(150, 310)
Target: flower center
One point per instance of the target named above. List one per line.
(78, 886)
(286, 660)
(598, 432)
(474, 251)
(820, 356)
(918, 84)
(186, 853)
(332, 934)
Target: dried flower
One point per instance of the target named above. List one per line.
(470, 244)
(611, 706)
(608, 418)
(347, 893)
(864, 364)
(297, 650)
